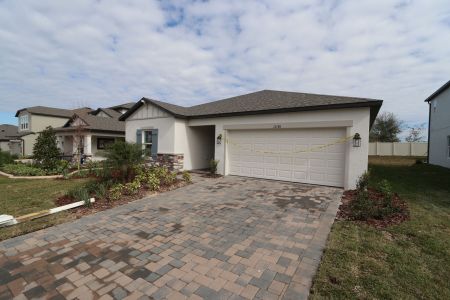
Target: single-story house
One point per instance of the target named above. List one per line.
(439, 126)
(309, 138)
(90, 133)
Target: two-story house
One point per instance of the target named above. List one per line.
(32, 120)
(68, 123)
(439, 126)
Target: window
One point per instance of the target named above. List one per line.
(147, 143)
(102, 143)
(448, 146)
(23, 122)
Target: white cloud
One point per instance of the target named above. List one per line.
(99, 53)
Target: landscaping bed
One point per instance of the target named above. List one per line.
(399, 209)
(103, 202)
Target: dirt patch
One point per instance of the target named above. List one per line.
(400, 215)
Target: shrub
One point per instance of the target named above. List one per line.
(187, 176)
(101, 191)
(23, 170)
(363, 182)
(79, 193)
(213, 166)
(361, 207)
(169, 178)
(152, 181)
(6, 158)
(116, 192)
(123, 157)
(45, 150)
(132, 188)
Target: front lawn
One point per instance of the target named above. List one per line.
(410, 260)
(22, 196)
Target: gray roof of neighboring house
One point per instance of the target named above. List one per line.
(127, 105)
(438, 91)
(110, 112)
(265, 101)
(51, 111)
(8, 131)
(95, 123)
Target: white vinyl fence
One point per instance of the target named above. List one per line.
(398, 149)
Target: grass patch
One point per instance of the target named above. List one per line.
(21, 196)
(400, 262)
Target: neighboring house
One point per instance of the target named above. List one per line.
(439, 126)
(9, 141)
(32, 120)
(90, 133)
(267, 134)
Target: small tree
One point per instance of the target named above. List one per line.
(415, 134)
(386, 128)
(45, 150)
(123, 157)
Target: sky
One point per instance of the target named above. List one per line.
(69, 54)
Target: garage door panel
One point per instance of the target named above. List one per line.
(299, 175)
(300, 155)
(258, 172)
(287, 175)
(286, 160)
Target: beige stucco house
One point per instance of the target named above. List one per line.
(439, 126)
(32, 120)
(90, 133)
(267, 134)
(9, 141)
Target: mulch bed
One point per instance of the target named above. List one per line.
(103, 204)
(344, 212)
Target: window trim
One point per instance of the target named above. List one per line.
(24, 122)
(448, 146)
(144, 143)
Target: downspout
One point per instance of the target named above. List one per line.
(429, 123)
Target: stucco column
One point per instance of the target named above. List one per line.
(88, 144)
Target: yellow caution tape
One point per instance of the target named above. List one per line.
(311, 149)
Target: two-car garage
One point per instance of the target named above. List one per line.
(308, 155)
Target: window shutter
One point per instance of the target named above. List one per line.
(139, 136)
(154, 142)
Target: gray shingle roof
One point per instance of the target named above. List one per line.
(127, 105)
(95, 123)
(110, 112)
(51, 111)
(8, 131)
(265, 101)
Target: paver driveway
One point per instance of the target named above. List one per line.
(227, 238)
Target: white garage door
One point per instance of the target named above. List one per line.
(288, 154)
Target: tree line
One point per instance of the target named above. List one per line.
(387, 128)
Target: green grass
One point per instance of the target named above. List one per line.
(410, 260)
(21, 196)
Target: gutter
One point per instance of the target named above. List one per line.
(429, 131)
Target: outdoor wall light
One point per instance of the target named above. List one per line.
(356, 140)
(219, 139)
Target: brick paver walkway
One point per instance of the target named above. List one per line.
(227, 238)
